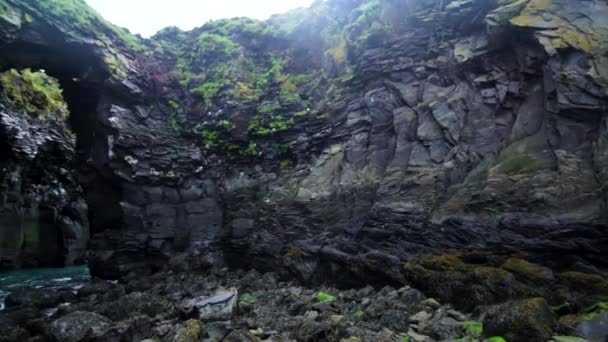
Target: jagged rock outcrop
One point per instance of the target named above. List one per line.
(339, 141)
(45, 170)
(43, 215)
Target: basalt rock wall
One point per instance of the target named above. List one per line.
(340, 140)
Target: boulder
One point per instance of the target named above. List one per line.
(219, 307)
(445, 328)
(523, 320)
(191, 331)
(39, 298)
(595, 329)
(96, 286)
(11, 331)
(78, 326)
(124, 307)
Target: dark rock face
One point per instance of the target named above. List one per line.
(43, 213)
(45, 217)
(473, 127)
(477, 142)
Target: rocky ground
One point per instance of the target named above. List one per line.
(223, 305)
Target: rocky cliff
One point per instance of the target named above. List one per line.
(345, 142)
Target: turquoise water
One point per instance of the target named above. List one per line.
(53, 278)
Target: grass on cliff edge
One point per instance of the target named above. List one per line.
(78, 16)
(35, 92)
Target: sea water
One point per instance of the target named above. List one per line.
(52, 278)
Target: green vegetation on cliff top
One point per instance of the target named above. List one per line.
(248, 66)
(215, 45)
(78, 17)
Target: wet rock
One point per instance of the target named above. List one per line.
(431, 303)
(351, 339)
(394, 319)
(310, 330)
(94, 287)
(530, 319)
(43, 210)
(218, 330)
(567, 339)
(78, 326)
(239, 336)
(467, 285)
(459, 316)
(311, 315)
(125, 306)
(595, 329)
(416, 337)
(219, 307)
(411, 297)
(191, 331)
(11, 331)
(135, 328)
(421, 316)
(39, 298)
(445, 328)
(534, 273)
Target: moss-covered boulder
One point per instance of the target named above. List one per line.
(468, 285)
(191, 331)
(525, 269)
(524, 320)
(470, 281)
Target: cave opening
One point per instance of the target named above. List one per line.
(81, 75)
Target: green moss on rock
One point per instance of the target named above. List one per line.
(3, 8)
(115, 67)
(596, 309)
(35, 92)
(585, 282)
(473, 328)
(518, 164)
(208, 91)
(247, 298)
(322, 297)
(523, 320)
(211, 138)
(524, 156)
(528, 270)
(495, 339)
(442, 262)
(286, 164)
